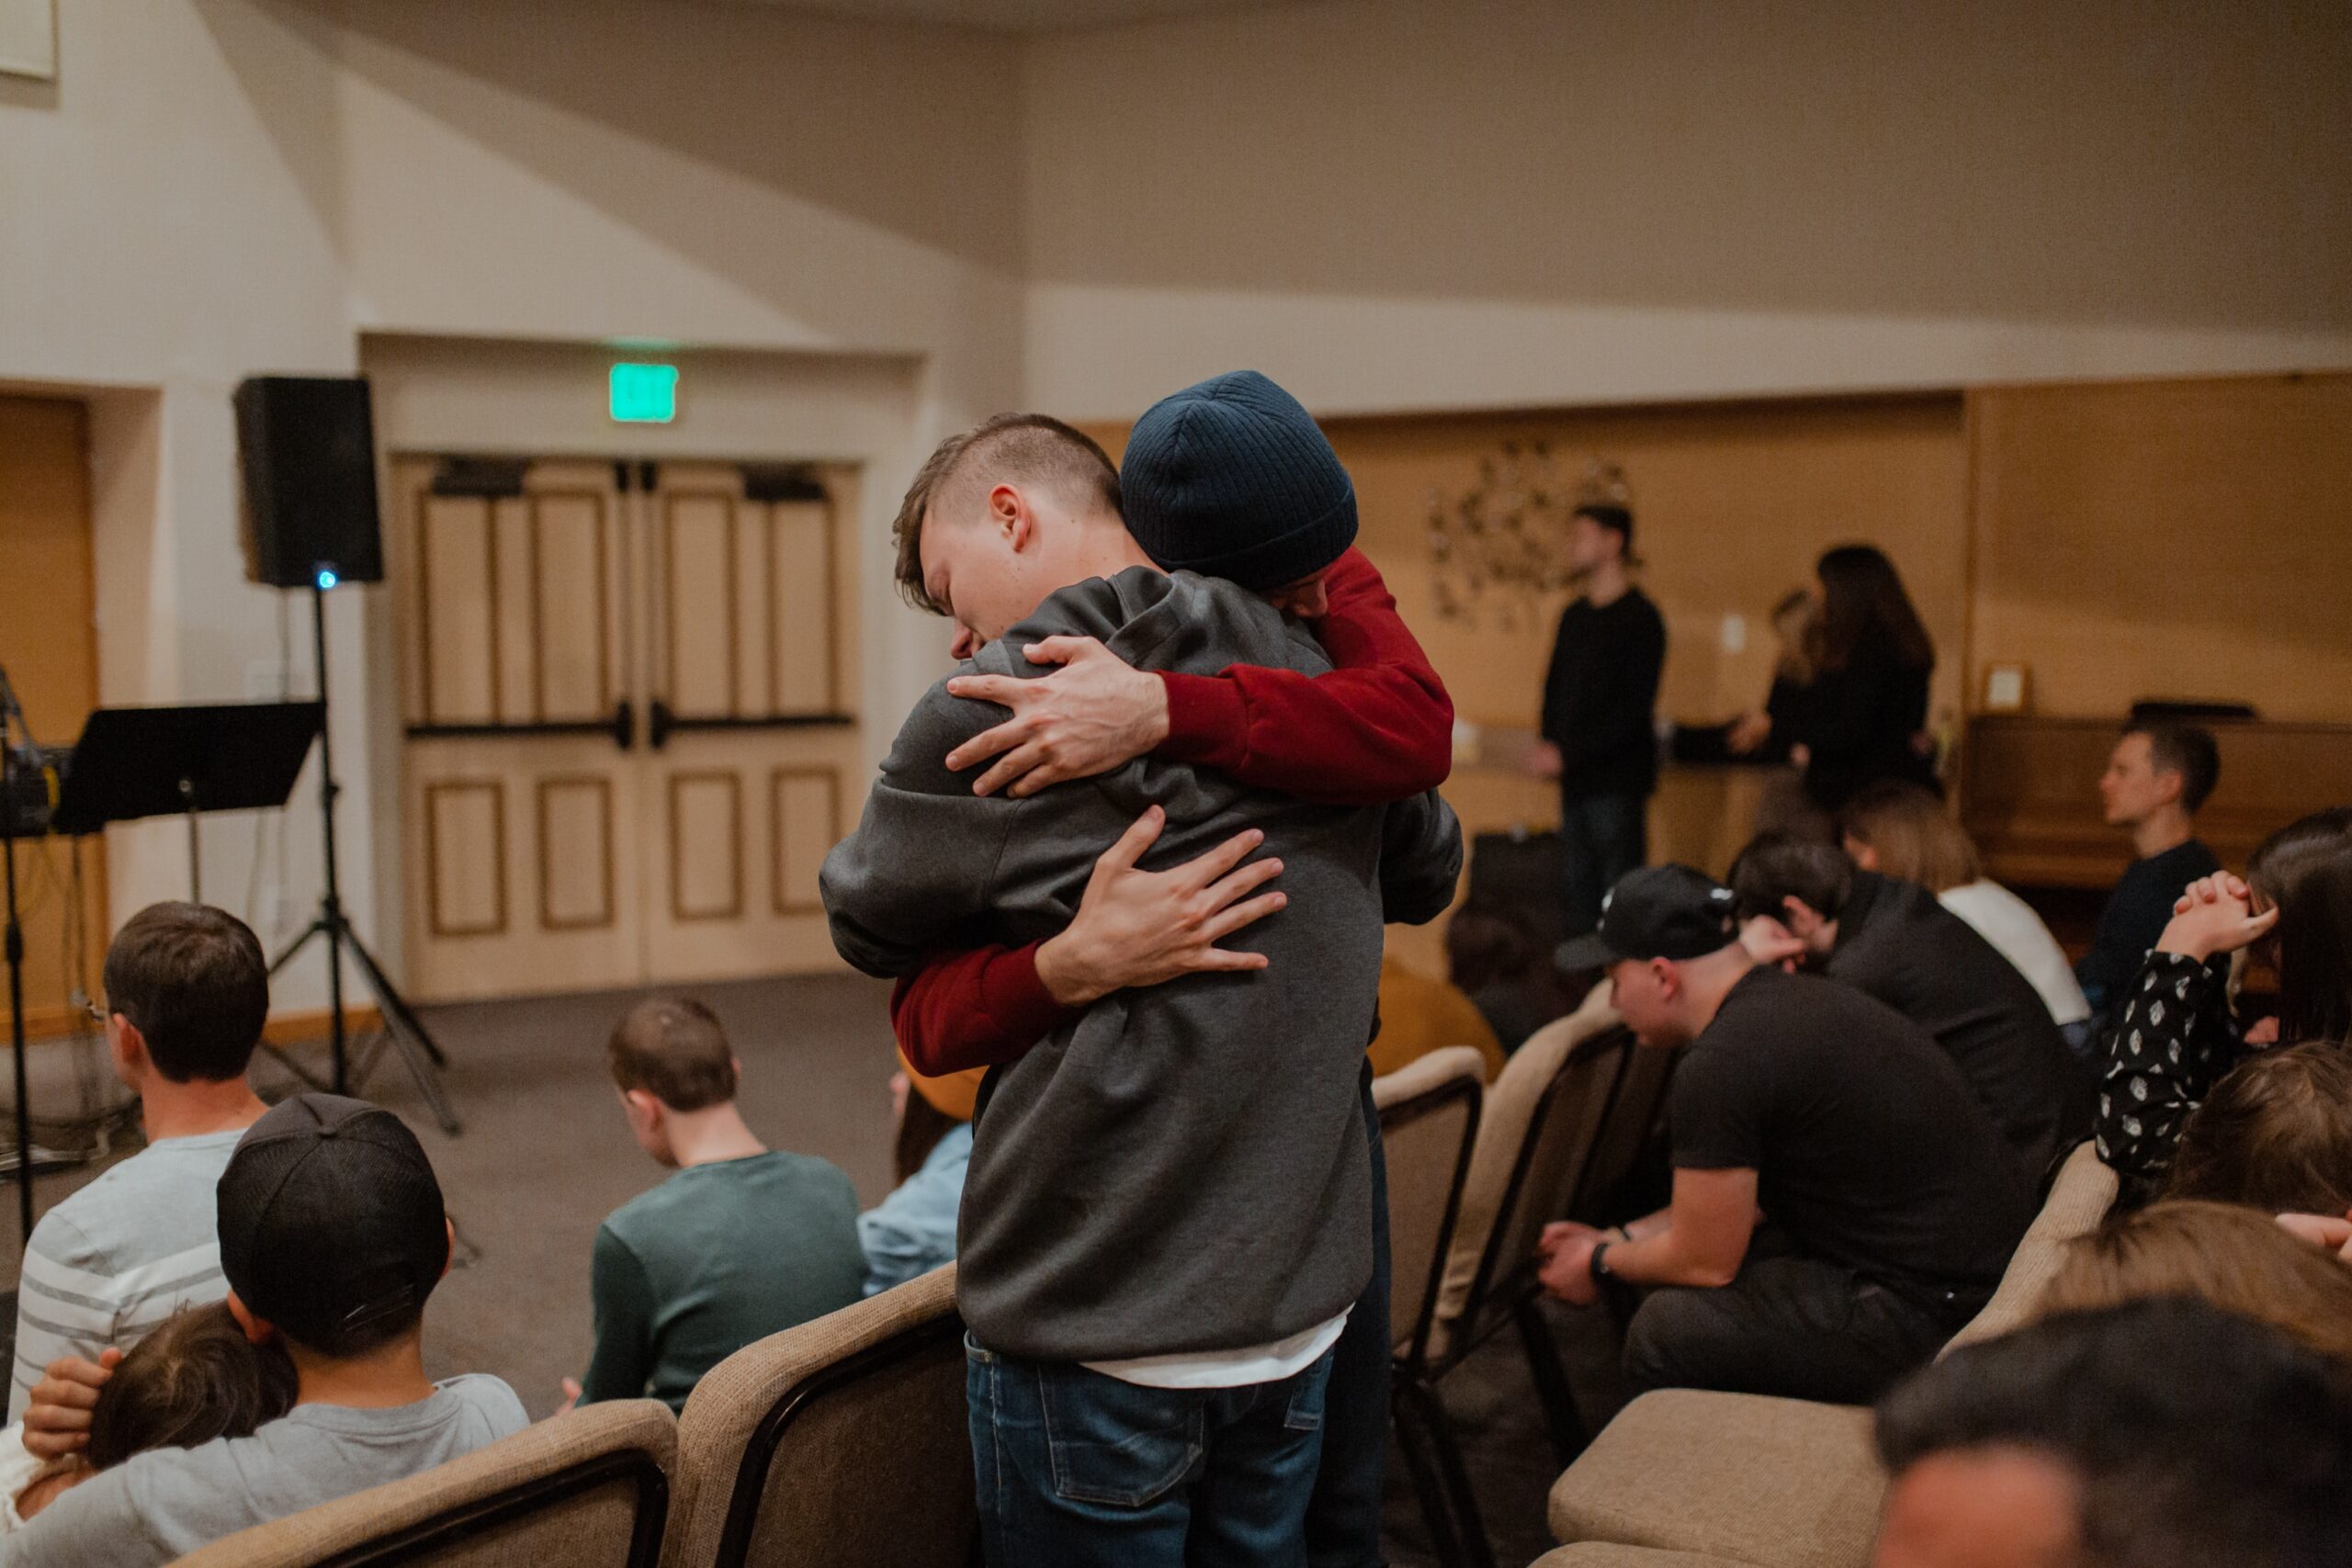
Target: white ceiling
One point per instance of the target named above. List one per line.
(1016, 16)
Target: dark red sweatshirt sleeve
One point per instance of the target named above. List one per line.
(1377, 727)
(978, 1008)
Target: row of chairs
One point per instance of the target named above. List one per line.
(845, 1441)
(1684, 1478)
(1473, 1175)
(842, 1440)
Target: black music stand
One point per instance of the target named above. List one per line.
(169, 761)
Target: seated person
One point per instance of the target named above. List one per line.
(2159, 773)
(332, 1236)
(1807, 903)
(1903, 831)
(912, 1231)
(742, 1242)
(1419, 1015)
(1493, 957)
(188, 992)
(2164, 1434)
(2235, 1258)
(193, 1378)
(2176, 1029)
(1894, 1203)
(2275, 1135)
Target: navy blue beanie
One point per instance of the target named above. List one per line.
(1232, 478)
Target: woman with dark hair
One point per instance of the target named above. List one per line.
(1866, 712)
(2176, 1034)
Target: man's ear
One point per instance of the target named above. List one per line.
(2169, 782)
(1798, 916)
(129, 1046)
(258, 1330)
(645, 1103)
(1668, 976)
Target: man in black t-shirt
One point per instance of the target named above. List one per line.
(2159, 774)
(1599, 739)
(1807, 903)
(1893, 1201)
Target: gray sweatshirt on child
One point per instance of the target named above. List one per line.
(1184, 1169)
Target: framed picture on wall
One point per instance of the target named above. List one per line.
(2005, 687)
(28, 38)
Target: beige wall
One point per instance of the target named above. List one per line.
(216, 188)
(1391, 205)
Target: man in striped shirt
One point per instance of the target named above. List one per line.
(187, 991)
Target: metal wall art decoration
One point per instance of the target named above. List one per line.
(1499, 549)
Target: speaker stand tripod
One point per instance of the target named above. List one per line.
(403, 1032)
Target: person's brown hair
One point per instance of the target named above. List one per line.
(1914, 835)
(2275, 1135)
(193, 1378)
(2236, 1258)
(1035, 447)
(673, 1049)
(2187, 750)
(2305, 869)
(1863, 603)
(192, 980)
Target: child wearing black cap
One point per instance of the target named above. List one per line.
(332, 1236)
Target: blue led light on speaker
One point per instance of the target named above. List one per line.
(326, 580)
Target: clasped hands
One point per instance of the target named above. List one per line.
(1565, 1250)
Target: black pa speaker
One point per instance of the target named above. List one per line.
(306, 447)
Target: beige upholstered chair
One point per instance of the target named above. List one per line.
(1510, 1105)
(842, 1440)
(1429, 1115)
(588, 1490)
(1608, 1554)
(1536, 1135)
(1785, 1483)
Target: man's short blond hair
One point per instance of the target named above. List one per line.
(1026, 448)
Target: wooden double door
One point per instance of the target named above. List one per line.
(628, 739)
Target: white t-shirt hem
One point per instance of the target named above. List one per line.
(1244, 1368)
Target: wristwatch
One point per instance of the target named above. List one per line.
(1597, 1265)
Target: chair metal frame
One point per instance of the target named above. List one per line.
(1461, 1539)
(1429, 1488)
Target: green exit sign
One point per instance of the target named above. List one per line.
(644, 394)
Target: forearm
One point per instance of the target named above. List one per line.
(1658, 1254)
(1377, 727)
(982, 1007)
(2171, 1039)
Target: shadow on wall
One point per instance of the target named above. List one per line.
(908, 130)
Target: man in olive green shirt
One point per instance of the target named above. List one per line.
(742, 1242)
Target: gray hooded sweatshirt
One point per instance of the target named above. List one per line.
(1183, 1170)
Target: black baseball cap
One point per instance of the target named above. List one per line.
(1658, 911)
(331, 1219)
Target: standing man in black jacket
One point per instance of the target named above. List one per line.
(1599, 698)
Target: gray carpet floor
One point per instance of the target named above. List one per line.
(545, 1155)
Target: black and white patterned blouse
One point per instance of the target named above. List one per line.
(2173, 1040)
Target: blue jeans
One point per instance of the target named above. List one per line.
(1076, 1469)
(1602, 837)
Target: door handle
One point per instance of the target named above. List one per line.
(659, 722)
(624, 725)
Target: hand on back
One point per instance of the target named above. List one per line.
(1094, 713)
(1140, 928)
